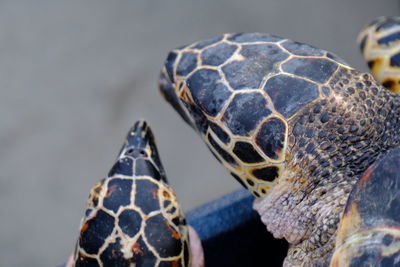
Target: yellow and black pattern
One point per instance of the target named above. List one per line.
(380, 46)
(133, 217)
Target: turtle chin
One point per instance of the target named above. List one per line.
(169, 92)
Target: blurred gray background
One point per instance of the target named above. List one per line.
(75, 75)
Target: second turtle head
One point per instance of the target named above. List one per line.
(139, 154)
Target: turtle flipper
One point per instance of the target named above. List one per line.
(369, 230)
(380, 46)
(133, 216)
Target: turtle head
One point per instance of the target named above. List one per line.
(294, 124)
(243, 93)
(218, 86)
(139, 155)
(132, 217)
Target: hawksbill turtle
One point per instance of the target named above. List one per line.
(314, 140)
(132, 217)
(298, 127)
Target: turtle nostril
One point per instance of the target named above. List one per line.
(136, 153)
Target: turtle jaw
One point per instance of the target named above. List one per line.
(169, 91)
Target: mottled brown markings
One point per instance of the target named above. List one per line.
(136, 249)
(166, 194)
(111, 190)
(173, 232)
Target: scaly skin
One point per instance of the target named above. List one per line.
(320, 143)
(307, 206)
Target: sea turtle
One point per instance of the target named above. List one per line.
(132, 217)
(295, 125)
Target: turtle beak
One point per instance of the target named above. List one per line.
(169, 92)
(139, 147)
(137, 139)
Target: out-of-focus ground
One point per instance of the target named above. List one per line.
(75, 75)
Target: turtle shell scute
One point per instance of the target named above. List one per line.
(246, 153)
(319, 70)
(290, 94)
(253, 37)
(218, 54)
(269, 173)
(165, 239)
(207, 42)
(207, 91)
(272, 137)
(244, 113)
(130, 222)
(187, 63)
(95, 231)
(257, 61)
(300, 49)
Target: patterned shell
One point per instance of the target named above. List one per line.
(133, 217)
(294, 124)
(380, 45)
(241, 91)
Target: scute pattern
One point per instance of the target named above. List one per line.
(254, 63)
(290, 94)
(316, 69)
(245, 112)
(272, 138)
(380, 45)
(300, 49)
(246, 153)
(217, 55)
(133, 216)
(207, 92)
(253, 37)
(258, 82)
(187, 63)
(308, 126)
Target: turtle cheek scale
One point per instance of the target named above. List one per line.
(132, 216)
